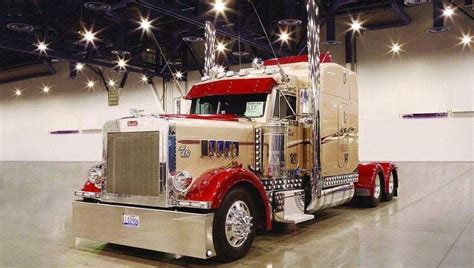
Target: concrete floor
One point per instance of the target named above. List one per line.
(430, 224)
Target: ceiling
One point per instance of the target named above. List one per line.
(61, 24)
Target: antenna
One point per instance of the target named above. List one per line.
(282, 73)
(180, 89)
(209, 53)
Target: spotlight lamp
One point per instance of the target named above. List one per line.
(111, 83)
(91, 84)
(466, 40)
(89, 37)
(395, 48)
(121, 63)
(42, 47)
(356, 26)
(220, 47)
(284, 37)
(178, 75)
(448, 12)
(46, 89)
(18, 92)
(144, 78)
(219, 6)
(145, 25)
(79, 66)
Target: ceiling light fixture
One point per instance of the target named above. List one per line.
(111, 83)
(178, 75)
(192, 39)
(79, 66)
(121, 63)
(18, 92)
(97, 6)
(89, 37)
(20, 27)
(144, 78)
(42, 47)
(448, 12)
(289, 22)
(466, 40)
(219, 6)
(90, 84)
(46, 89)
(220, 47)
(356, 26)
(145, 24)
(396, 48)
(284, 37)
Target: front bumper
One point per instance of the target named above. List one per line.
(182, 233)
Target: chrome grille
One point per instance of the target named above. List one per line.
(133, 166)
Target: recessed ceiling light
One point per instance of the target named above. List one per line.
(192, 39)
(289, 22)
(20, 27)
(97, 6)
(240, 53)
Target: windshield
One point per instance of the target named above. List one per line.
(251, 105)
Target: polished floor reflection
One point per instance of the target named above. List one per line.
(430, 224)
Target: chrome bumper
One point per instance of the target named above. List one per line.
(182, 233)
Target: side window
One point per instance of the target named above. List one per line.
(282, 106)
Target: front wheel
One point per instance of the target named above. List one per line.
(234, 226)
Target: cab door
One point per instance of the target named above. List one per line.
(343, 135)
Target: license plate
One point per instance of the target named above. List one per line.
(130, 220)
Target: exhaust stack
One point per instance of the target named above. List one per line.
(314, 83)
(209, 53)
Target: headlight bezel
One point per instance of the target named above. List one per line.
(182, 180)
(96, 175)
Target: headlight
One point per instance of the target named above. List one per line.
(95, 175)
(182, 180)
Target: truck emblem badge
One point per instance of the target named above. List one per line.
(219, 148)
(212, 148)
(132, 123)
(184, 152)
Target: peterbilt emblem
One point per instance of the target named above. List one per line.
(184, 152)
(132, 123)
(219, 148)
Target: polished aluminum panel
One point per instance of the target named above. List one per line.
(188, 234)
(133, 166)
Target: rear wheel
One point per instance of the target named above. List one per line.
(374, 200)
(388, 195)
(234, 226)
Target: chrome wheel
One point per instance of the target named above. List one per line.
(390, 183)
(238, 223)
(377, 189)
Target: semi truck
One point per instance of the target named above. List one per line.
(276, 142)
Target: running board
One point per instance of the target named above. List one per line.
(289, 207)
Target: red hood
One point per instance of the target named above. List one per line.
(217, 117)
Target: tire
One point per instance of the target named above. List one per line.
(388, 195)
(376, 198)
(232, 241)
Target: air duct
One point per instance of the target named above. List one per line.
(209, 55)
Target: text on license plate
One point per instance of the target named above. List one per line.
(130, 220)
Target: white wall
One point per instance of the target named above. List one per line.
(432, 75)
(27, 120)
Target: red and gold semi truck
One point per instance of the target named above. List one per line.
(273, 143)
